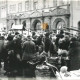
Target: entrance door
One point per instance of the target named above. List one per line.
(60, 25)
(36, 25)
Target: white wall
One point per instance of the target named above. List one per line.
(75, 14)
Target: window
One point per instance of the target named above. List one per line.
(46, 4)
(27, 5)
(60, 26)
(12, 8)
(35, 5)
(78, 2)
(66, 2)
(60, 2)
(20, 7)
(54, 3)
(3, 12)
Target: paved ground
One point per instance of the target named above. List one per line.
(2, 77)
(26, 79)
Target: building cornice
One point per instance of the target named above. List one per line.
(57, 11)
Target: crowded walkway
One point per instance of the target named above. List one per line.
(41, 55)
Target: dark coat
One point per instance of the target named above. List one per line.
(53, 49)
(57, 39)
(14, 48)
(28, 50)
(64, 45)
(17, 47)
(74, 53)
(47, 44)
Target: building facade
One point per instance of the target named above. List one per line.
(75, 16)
(55, 13)
(3, 8)
(58, 14)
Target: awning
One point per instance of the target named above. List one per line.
(17, 27)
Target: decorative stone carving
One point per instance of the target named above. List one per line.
(46, 14)
(25, 15)
(59, 11)
(36, 14)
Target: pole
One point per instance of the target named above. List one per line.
(6, 15)
(22, 32)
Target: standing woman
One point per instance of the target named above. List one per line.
(1, 48)
(9, 55)
(74, 53)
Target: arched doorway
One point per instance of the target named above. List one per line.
(36, 25)
(59, 24)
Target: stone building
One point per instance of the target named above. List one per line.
(58, 14)
(55, 13)
(3, 8)
(75, 16)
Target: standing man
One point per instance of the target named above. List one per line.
(28, 55)
(47, 43)
(1, 48)
(59, 36)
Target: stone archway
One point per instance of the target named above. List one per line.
(36, 25)
(59, 24)
(9, 24)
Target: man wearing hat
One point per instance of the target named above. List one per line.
(28, 49)
(28, 55)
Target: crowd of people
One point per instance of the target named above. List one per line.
(17, 51)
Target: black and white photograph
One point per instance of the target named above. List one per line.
(39, 39)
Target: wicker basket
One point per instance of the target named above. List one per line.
(44, 72)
